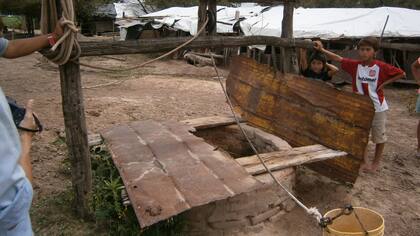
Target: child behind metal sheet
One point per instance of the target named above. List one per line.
(318, 67)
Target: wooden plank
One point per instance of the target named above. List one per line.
(411, 47)
(165, 175)
(76, 136)
(210, 122)
(141, 176)
(166, 44)
(228, 170)
(304, 112)
(193, 179)
(288, 158)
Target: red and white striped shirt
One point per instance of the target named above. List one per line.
(366, 79)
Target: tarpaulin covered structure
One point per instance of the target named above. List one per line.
(330, 23)
(326, 23)
(186, 18)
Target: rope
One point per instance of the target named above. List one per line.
(310, 211)
(67, 45)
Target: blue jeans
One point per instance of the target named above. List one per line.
(14, 219)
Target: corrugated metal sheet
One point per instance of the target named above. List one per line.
(304, 112)
(168, 170)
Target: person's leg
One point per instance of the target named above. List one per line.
(366, 166)
(15, 219)
(379, 138)
(379, 151)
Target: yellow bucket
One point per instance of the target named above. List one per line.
(348, 225)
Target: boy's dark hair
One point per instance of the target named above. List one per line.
(319, 57)
(369, 42)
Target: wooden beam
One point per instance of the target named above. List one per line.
(288, 158)
(411, 47)
(167, 44)
(76, 136)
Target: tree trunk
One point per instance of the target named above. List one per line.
(212, 4)
(290, 64)
(76, 136)
(202, 15)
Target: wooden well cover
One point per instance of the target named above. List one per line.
(167, 170)
(304, 112)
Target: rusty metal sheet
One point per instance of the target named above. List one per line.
(167, 170)
(304, 112)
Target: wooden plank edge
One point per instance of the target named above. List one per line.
(211, 122)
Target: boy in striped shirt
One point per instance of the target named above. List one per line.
(369, 77)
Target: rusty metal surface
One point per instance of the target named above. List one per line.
(303, 112)
(168, 170)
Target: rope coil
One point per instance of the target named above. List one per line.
(67, 46)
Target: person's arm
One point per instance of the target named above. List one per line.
(26, 140)
(303, 61)
(415, 69)
(332, 69)
(330, 55)
(391, 80)
(23, 47)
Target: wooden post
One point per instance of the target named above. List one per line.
(76, 136)
(290, 64)
(202, 14)
(212, 5)
(76, 132)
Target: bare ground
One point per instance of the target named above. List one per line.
(176, 91)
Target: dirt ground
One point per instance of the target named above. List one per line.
(174, 90)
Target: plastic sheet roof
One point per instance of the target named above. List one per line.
(331, 23)
(326, 23)
(185, 18)
(129, 9)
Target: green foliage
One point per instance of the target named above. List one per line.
(85, 9)
(21, 7)
(12, 21)
(107, 206)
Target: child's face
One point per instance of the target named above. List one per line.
(366, 53)
(317, 66)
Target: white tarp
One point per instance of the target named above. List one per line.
(185, 18)
(326, 23)
(329, 23)
(129, 9)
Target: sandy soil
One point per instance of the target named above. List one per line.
(175, 90)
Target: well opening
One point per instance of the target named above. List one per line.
(230, 140)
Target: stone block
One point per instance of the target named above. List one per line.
(232, 224)
(264, 216)
(288, 205)
(277, 216)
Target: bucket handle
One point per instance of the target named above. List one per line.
(347, 210)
